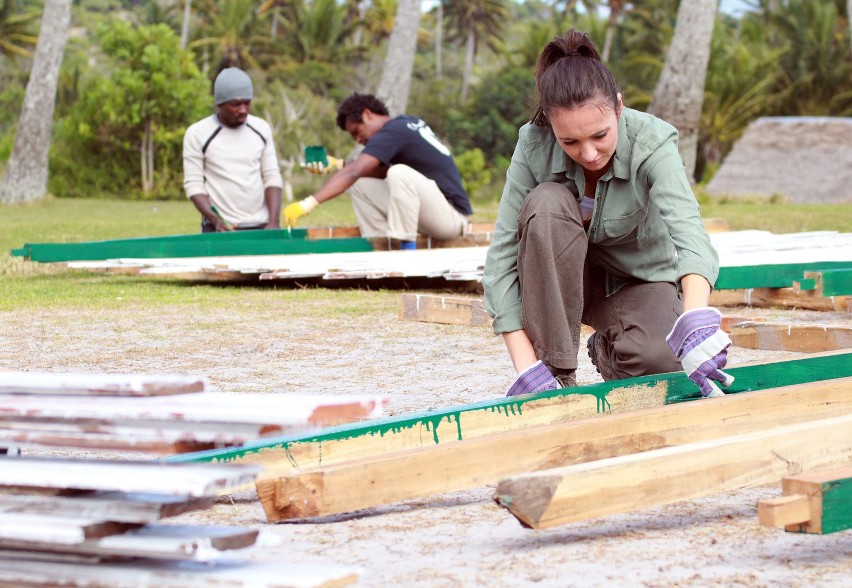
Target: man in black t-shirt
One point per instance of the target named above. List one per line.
(403, 183)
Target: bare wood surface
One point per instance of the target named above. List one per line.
(630, 482)
(829, 495)
(112, 506)
(784, 510)
(451, 310)
(98, 384)
(778, 298)
(171, 542)
(176, 479)
(151, 574)
(789, 337)
(404, 475)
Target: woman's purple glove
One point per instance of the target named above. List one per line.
(536, 378)
(698, 341)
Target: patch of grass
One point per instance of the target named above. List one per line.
(778, 216)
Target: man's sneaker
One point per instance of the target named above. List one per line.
(599, 356)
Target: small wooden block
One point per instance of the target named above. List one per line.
(450, 310)
(716, 225)
(784, 510)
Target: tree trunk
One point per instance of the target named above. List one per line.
(616, 7)
(470, 53)
(184, 27)
(439, 41)
(849, 18)
(25, 178)
(399, 61)
(679, 94)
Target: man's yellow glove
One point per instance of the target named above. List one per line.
(299, 209)
(317, 167)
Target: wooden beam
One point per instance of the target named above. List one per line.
(819, 502)
(171, 542)
(662, 476)
(771, 276)
(111, 506)
(779, 298)
(788, 337)
(98, 384)
(829, 282)
(404, 475)
(450, 310)
(152, 574)
(196, 480)
(420, 429)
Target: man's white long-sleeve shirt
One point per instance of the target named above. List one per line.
(233, 166)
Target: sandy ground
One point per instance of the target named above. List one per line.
(455, 539)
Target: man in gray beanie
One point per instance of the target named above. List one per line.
(230, 165)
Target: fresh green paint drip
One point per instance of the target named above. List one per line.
(837, 505)
(772, 276)
(678, 389)
(265, 242)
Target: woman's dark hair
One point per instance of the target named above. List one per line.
(568, 73)
(351, 108)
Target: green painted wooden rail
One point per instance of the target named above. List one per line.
(679, 389)
(267, 242)
(772, 276)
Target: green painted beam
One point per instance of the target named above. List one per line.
(837, 505)
(773, 275)
(266, 242)
(836, 282)
(678, 389)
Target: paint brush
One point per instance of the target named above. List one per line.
(222, 218)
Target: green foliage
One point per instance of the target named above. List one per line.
(17, 30)
(316, 31)
(473, 170)
(151, 84)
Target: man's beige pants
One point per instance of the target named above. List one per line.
(404, 204)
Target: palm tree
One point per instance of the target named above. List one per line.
(476, 22)
(316, 31)
(16, 31)
(230, 27)
(399, 60)
(25, 177)
(679, 94)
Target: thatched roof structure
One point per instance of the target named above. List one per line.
(807, 159)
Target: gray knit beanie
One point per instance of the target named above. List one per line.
(232, 84)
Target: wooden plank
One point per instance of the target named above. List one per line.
(772, 275)
(152, 574)
(450, 310)
(779, 298)
(784, 510)
(662, 476)
(403, 475)
(824, 502)
(716, 225)
(176, 479)
(269, 410)
(236, 243)
(98, 384)
(829, 282)
(420, 429)
(169, 542)
(111, 506)
(789, 337)
(53, 529)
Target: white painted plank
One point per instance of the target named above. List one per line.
(150, 574)
(736, 248)
(12, 382)
(53, 529)
(284, 410)
(111, 506)
(171, 542)
(177, 479)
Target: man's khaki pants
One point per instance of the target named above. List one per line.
(404, 204)
(560, 290)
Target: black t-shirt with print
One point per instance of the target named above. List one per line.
(408, 140)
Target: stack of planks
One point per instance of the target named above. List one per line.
(648, 440)
(58, 517)
(158, 414)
